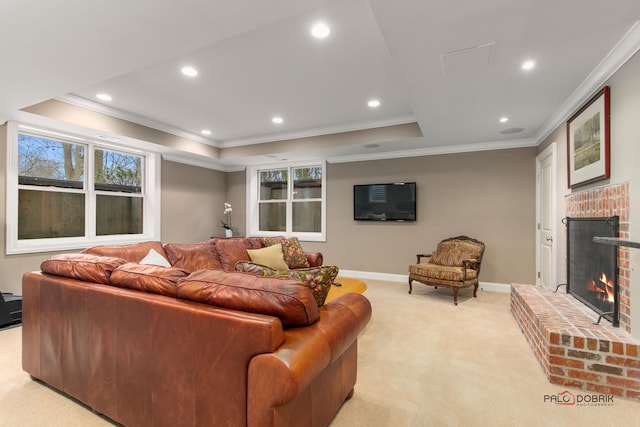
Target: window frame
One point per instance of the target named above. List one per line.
(253, 201)
(150, 193)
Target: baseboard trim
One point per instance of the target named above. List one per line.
(374, 276)
(502, 288)
(485, 286)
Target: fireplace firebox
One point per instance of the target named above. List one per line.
(592, 268)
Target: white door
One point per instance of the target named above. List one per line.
(546, 233)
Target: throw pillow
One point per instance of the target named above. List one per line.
(271, 256)
(154, 258)
(318, 279)
(293, 254)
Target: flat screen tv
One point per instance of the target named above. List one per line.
(385, 202)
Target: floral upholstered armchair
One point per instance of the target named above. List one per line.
(455, 263)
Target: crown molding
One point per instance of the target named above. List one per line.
(319, 131)
(434, 151)
(628, 46)
(202, 163)
(135, 118)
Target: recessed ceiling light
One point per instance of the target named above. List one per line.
(277, 120)
(189, 71)
(373, 103)
(104, 97)
(528, 65)
(205, 132)
(320, 30)
(504, 119)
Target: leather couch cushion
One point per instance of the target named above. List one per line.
(289, 300)
(130, 253)
(87, 267)
(148, 278)
(232, 250)
(193, 256)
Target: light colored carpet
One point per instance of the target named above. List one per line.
(422, 362)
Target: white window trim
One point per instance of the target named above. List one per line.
(252, 192)
(151, 205)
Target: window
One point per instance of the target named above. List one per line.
(287, 200)
(378, 194)
(65, 191)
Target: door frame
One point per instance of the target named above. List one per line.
(550, 151)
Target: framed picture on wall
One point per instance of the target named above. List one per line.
(588, 141)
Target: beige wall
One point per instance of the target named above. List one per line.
(69, 113)
(625, 152)
(192, 203)
(236, 195)
(11, 267)
(487, 195)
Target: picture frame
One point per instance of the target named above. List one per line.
(588, 143)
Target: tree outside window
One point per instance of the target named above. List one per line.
(53, 195)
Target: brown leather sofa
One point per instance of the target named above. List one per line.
(170, 346)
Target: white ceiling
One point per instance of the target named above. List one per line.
(452, 66)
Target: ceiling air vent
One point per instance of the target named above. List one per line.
(470, 59)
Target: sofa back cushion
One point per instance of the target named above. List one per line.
(453, 252)
(289, 300)
(233, 250)
(193, 256)
(87, 267)
(131, 253)
(148, 278)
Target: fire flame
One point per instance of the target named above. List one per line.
(603, 287)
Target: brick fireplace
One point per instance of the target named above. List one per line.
(571, 349)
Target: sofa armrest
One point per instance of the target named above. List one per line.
(469, 264)
(275, 379)
(315, 258)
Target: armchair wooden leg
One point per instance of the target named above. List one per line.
(410, 288)
(455, 295)
(475, 290)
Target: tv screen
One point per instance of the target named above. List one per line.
(385, 202)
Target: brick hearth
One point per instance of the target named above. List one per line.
(572, 350)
